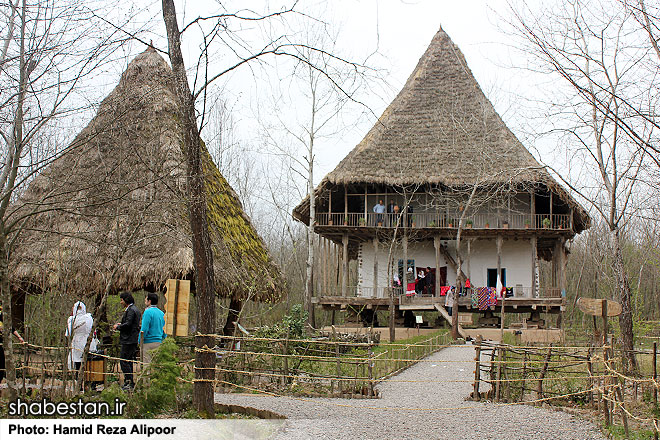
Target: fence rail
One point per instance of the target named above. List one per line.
(594, 377)
(446, 220)
(323, 367)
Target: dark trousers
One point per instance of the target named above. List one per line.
(127, 355)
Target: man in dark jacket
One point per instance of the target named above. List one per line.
(129, 330)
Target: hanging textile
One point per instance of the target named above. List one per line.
(444, 290)
(486, 297)
(475, 298)
(410, 289)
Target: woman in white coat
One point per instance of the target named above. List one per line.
(78, 327)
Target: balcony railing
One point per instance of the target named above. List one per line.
(443, 220)
(514, 292)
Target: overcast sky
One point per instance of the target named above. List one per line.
(399, 30)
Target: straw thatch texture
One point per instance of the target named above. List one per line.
(117, 198)
(441, 130)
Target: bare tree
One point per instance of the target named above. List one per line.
(218, 33)
(604, 53)
(49, 50)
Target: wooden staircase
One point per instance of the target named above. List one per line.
(446, 315)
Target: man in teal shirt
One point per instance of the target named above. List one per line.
(153, 322)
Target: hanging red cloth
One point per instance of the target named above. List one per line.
(410, 289)
(467, 283)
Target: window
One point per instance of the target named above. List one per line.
(491, 277)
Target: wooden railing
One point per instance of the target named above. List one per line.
(518, 292)
(445, 220)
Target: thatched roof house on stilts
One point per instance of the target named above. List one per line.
(111, 212)
(463, 198)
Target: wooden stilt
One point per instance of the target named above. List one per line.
(344, 281)
(375, 284)
(438, 281)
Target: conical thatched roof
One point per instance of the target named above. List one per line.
(118, 199)
(441, 130)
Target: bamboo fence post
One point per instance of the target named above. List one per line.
(508, 384)
(606, 406)
(590, 369)
(285, 352)
(492, 368)
(539, 389)
(477, 370)
(624, 417)
(340, 386)
(524, 376)
(370, 367)
(499, 373)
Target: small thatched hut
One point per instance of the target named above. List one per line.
(112, 212)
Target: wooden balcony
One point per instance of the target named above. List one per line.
(443, 220)
(523, 300)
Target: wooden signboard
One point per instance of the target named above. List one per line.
(177, 307)
(594, 306)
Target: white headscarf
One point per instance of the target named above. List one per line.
(78, 326)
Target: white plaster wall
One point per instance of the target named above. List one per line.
(516, 259)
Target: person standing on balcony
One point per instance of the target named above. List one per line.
(379, 209)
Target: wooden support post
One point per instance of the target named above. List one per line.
(375, 294)
(539, 389)
(603, 303)
(365, 206)
(469, 252)
(405, 261)
(502, 320)
(436, 245)
(532, 206)
(345, 204)
(499, 254)
(477, 369)
(535, 287)
(344, 280)
(554, 272)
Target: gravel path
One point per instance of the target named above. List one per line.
(391, 417)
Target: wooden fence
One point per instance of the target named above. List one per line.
(591, 377)
(315, 367)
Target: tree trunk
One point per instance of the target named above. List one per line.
(625, 319)
(309, 284)
(202, 251)
(7, 324)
